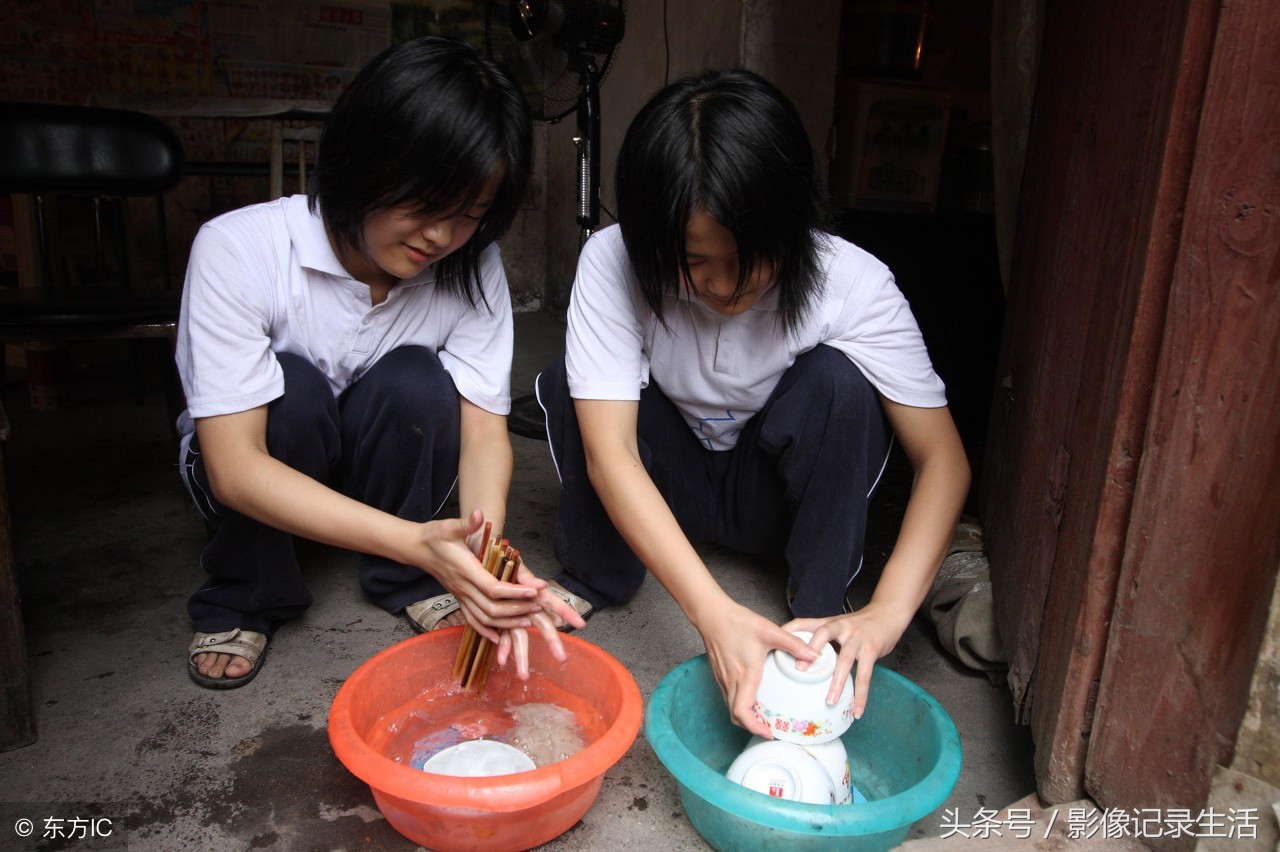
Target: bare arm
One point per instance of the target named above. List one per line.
(737, 639)
(484, 463)
(245, 478)
(484, 479)
(929, 438)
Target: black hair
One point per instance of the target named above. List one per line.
(730, 145)
(425, 124)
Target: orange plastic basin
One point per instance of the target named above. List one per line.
(505, 812)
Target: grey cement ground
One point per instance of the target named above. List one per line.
(107, 550)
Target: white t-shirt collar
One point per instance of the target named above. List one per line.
(311, 244)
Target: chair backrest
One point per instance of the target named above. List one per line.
(303, 137)
(55, 148)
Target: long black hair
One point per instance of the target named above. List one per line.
(730, 145)
(425, 124)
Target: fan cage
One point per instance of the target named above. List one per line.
(548, 46)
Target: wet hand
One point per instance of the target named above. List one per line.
(552, 614)
(862, 637)
(514, 644)
(554, 606)
(738, 641)
(488, 604)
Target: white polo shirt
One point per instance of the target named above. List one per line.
(263, 279)
(720, 370)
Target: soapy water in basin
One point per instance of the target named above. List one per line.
(441, 718)
(546, 732)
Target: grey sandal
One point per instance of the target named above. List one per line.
(239, 643)
(426, 615)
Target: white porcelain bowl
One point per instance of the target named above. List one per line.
(835, 759)
(794, 702)
(783, 770)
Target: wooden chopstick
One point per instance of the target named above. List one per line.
(474, 648)
(478, 677)
(475, 652)
(469, 636)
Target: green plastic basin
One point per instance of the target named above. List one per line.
(904, 757)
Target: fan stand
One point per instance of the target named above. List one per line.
(588, 142)
(527, 418)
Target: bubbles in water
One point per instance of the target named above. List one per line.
(545, 732)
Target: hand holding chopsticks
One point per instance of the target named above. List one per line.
(476, 651)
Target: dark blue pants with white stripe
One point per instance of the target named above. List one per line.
(391, 440)
(797, 483)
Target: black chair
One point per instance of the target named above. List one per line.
(106, 155)
(49, 151)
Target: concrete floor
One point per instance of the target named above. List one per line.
(107, 548)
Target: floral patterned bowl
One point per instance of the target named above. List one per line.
(793, 702)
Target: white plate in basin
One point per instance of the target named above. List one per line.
(476, 758)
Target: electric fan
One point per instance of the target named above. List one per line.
(559, 52)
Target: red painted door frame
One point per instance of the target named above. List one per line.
(1133, 463)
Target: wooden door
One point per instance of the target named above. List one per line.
(1108, 296)
(1203, 538)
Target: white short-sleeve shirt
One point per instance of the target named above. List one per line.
(264, 279)
(720, 370)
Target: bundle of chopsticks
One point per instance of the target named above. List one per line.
(475, 654)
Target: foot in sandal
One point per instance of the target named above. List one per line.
(226, 660)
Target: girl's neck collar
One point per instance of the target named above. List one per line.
(362, 269)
